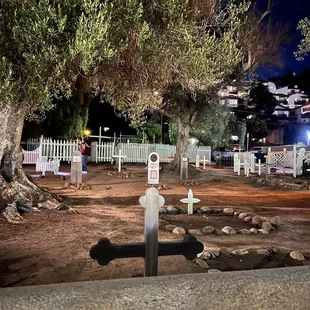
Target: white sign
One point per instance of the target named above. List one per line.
(76, 159)
(153, 169)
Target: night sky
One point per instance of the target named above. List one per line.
(291, 12)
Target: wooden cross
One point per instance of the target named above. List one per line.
(119, 156)
(190, 200)
(104, 251)
(152, 201)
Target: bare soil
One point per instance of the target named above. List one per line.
(53, 247)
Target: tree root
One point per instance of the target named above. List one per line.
(20, 196)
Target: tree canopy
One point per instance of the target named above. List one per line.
(304, 46)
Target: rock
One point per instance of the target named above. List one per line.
(179, 231)
(204, 255)
(172, 210)
(63, 207)
(253, 230)
(62, 177)
(257, 220)
(214, 271)
(248, 219)
(267, 226)
(215, 253)
(183, 210)
(206, 210)
(240, 252)
(229, 230)
(242, 215)
(170, 227)
(163, 223)
(207, 230)
(263, 231)
(108, 187)
(228, 211)
(163, 211)
(196, 232)
(296, 255)
(263, 252)
(244, 232)
(281, 250)
(225, 252)
(218, 232)
(202, 263)
(275, 221)
(236, 213)
(67, 184)
(260, 181)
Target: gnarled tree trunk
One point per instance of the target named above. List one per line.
(182, 142)
(17, 193)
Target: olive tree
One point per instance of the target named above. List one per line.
(304, 46)
(46, 47)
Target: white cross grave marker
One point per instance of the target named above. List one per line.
(204, 161)
(119, 156)
(152, 201)
(190, 200)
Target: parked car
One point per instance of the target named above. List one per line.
(256, 149)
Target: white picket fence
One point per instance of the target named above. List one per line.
(134, 152)
(289, 157)
(31, 157)
(51, 149)
(62, 150)
(102, 152)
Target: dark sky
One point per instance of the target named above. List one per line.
(291, 12)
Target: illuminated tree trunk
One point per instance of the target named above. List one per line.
(17, 193)
(182, 141)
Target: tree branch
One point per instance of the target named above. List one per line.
(266, 12)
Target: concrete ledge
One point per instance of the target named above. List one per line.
(282, 288)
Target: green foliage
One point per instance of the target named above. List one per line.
(211, 123)
(304, 46)
(173, 133)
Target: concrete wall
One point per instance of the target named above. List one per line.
(276, 289)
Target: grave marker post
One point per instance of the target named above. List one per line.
(119, 158)
(152, 201)
(76, 168)
(197, 161)
(153, 169)
(184, 167)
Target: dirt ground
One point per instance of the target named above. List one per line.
(53, 247)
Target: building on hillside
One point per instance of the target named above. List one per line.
(231, 97)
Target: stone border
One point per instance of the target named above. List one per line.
(266, 225)
(204, 256)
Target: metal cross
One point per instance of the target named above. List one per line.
(190, 200)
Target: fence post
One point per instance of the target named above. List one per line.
(294, 161)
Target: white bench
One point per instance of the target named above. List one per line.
(44, 164)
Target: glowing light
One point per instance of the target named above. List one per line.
(87, 132)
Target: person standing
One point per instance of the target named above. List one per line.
(82, 148)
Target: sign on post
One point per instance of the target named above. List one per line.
(76, 168)
(153, 169)
(184, 167)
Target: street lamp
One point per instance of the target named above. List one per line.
(87, 132)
